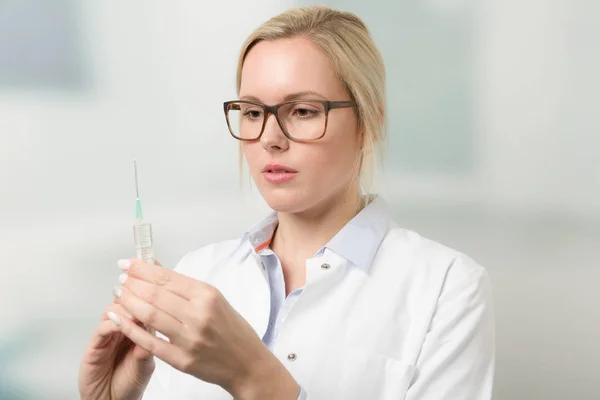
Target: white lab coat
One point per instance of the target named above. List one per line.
(416, 325)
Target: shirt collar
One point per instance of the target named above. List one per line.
(358, 241)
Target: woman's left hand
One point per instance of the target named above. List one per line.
(207, 337)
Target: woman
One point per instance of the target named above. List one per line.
(327, 298)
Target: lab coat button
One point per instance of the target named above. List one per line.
(292, 357)
(325, 266)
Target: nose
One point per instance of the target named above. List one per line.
(273, 138)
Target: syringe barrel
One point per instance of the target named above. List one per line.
(142, 233)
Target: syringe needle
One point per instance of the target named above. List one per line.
(137, 191)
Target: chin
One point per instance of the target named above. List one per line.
(285, 200)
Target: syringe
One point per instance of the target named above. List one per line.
(142, 230)
(142, 233)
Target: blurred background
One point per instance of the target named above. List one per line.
(495, 130)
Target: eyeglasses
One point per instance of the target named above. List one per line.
(299, 120)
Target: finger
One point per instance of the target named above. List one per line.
(117, 308)
(111, 328)
(148, 314)
(152, 344)
(103, 334)
(106, 330)
(158, 297)
(181, 285)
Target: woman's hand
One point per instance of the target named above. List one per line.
(113, 367)
(207, 337)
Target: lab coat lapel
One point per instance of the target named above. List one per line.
(244, 284)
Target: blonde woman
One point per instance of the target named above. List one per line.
(327, 297)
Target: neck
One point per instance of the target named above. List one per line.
(300, 235)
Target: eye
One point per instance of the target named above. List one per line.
(304, 112)
(253, 113)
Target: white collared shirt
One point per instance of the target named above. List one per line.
(385, 314)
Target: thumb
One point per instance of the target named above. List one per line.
(142, 356)
(103, 336)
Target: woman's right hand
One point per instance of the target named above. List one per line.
(113, 368)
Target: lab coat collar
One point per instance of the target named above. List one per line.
(358, 241)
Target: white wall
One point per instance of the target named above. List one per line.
(539, 92)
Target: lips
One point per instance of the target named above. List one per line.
(277, 173)
(278, 168)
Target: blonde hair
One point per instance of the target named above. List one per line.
(346, 41)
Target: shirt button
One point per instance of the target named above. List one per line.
(325, 266)
(292, 357)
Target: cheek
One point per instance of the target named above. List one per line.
(334, 163)
(345, 145)
(250, 152)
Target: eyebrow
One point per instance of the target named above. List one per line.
(291, 96)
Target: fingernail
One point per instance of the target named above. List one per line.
(124, 264)
(117, 291)
(114, 318)
(122, 278)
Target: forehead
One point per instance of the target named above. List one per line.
(274, 69)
